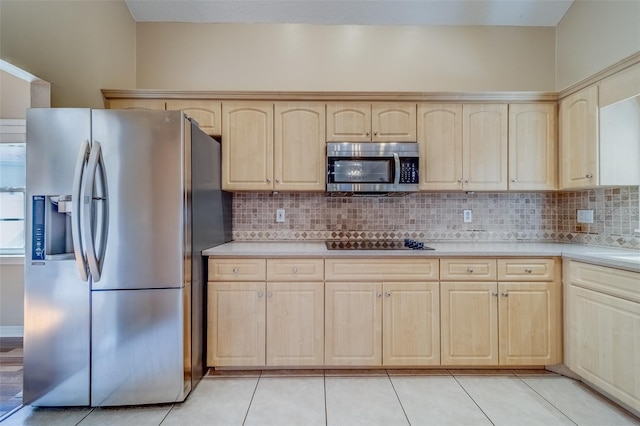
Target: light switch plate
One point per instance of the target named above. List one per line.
(584, 216)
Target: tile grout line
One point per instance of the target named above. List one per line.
(398, 396)
(470, 397)
(251, 400)
(550, 403)
(326, 410)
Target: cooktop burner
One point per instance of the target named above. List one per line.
(376, 245)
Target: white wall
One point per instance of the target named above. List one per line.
(300, 57)
(594, 35)
(79, 47)
(15, 96)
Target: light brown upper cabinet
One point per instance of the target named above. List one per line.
(299, 152)
(205, 112)
(463, 147)
(364, 122)
(579, 139)
(247, 146)
(263, 151)
(532, 147)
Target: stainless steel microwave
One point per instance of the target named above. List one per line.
(372, 168)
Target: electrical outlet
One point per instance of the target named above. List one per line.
(467, 216)
(584, 216)
(280, 216)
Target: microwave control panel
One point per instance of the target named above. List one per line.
(409, 170)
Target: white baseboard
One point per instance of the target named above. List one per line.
(11, 331)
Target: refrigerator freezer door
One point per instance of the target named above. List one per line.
(143, 157)
(137, 349)
(57, 310)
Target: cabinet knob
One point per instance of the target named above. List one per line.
(375, 133)
(367, 133)
(277, 180)
(514, 180)
(494, 293)
(269, 294)
(387, 294)
(589, 176)
(460, 180)
(467, 180)
(505, 294)
(378, 294)
(268, 180)
(470, 270)
(528, 271)
(260, 294)
(235, 270)
(295, 269)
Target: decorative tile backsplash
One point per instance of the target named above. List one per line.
(439, 217)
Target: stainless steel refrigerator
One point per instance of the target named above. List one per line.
(120, 205)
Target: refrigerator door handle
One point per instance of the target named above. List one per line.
(94, 165)
(76, 236)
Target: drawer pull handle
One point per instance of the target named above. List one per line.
(295, 269)
(528, 271)
(470, 270)
(235, 270)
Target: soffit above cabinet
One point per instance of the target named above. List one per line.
(525, 13)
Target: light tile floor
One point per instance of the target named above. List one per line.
(352, 398)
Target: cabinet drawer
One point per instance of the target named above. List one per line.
(526, 269)
(381, 269)
(468, 269)
(237, 269)
(295, 270)
(611, 281)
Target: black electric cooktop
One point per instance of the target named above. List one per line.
(376, 245)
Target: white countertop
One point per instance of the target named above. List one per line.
(613, 257)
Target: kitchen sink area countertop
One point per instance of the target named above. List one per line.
(612, 257)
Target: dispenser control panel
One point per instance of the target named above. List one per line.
(37, 231)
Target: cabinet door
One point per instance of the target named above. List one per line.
(206, 113)
(295, 324)
(532, 147)
(393, 122)
(353, 323)
(236, 328)
(529, 323)
(136, 104)
(440, 139)
(604, 335)
(484, 147)
(247, 146)
(299, 163)
(469, 323)
(579, 139)
(411, 324)
(348, 122)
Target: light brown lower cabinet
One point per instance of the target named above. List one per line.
(603, 329)
(373, 324)
(495, 323)
(257, 324)
(291, 312)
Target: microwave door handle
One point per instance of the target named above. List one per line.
(396, 179)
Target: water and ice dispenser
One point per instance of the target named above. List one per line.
(51, 232)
